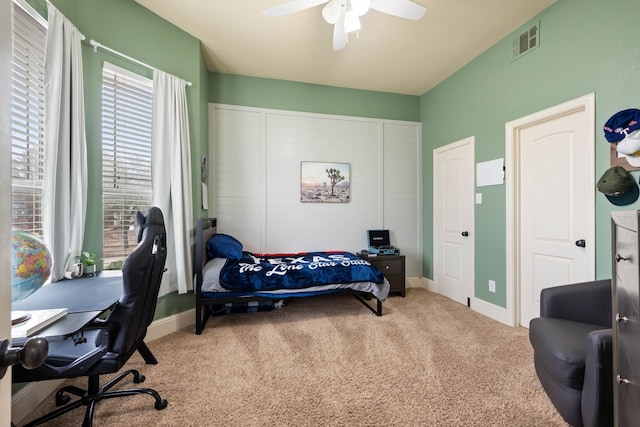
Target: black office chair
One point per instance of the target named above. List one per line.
(106, 345)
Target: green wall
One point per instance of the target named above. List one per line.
(293, 96)
(585, 47)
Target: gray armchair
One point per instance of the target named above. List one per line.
(572, 343)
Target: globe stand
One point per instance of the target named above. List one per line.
(18, 317)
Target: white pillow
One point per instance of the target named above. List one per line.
(211, 275)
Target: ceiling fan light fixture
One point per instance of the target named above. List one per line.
(360, 7)
(351, 21)
(331, 11)
(344, 15)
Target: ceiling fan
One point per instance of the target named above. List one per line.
(344, 15)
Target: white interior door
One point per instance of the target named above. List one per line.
(556, 232)
(453, 214)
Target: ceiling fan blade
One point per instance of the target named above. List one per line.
(339, 33)
(400, 8)
(291, 7)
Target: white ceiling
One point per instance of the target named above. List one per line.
(391, 54)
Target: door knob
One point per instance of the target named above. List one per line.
(32, 355)
(581, 243)
(465, 233)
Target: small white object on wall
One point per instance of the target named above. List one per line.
(490, 173)
(205, 197)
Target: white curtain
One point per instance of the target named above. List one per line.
(65, 160)
(171, 172)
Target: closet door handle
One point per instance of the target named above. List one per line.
(621, 258)
(621, 380)
(465, 234)
(620, 318)
(581, 243)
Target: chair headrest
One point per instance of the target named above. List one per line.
(154, 217)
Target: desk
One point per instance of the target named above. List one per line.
(76, 295)
(84, 298)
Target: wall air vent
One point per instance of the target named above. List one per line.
(526, 41)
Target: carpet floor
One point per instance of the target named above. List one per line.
(328, 361)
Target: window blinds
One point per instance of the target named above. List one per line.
(27, 119)
(126, 156)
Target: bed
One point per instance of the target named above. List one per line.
(228, 277)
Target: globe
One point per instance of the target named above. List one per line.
(31, 264)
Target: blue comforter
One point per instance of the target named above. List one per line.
(257, 272)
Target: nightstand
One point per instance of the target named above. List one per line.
(392, 267)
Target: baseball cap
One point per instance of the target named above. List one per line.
(630, 148)
(619, 186)
(621, 124)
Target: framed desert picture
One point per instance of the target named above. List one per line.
(325, 182)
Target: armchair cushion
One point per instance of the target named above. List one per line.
(560, 345)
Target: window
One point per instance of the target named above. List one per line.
(126, 158)
(27, 118)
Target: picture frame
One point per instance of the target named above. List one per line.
(325, 182)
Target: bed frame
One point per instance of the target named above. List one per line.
(207, 228)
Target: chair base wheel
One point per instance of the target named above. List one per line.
(161, 404)
(62, 399)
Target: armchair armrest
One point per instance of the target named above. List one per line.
(588, 302)
(597, 390)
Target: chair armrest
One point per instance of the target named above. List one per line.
(597, 390)
(78, 353)
(588, 302)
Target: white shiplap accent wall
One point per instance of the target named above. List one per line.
(255, 157)
(403, 193)
(238, 174)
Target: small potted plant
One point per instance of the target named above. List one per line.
(88, 261)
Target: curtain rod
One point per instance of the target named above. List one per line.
(97, 45)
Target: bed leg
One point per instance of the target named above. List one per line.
(198, 319)
(202, 315)
(377, 310)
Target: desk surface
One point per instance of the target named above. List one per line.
(84, 298)
(76, 295)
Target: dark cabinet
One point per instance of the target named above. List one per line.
(626, 330)
(392, 267)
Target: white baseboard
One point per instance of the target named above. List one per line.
(492, 311)
(30, 396)
(483, 307)
(167, 325)
(421, 282)
(33, 394)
